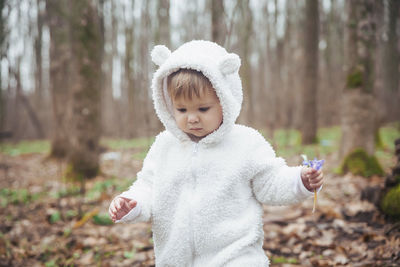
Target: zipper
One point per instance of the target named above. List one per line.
(193, 190)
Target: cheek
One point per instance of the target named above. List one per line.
(180, 119)
(219, 115)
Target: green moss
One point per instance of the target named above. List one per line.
(354, 79)
(390, 203)
(71, 175)
(359, 162)
(397, 179)
(378, 140)
(102, 219)
(280, 260)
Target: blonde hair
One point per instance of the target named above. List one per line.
(187, 83)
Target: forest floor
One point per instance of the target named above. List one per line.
(40, 223)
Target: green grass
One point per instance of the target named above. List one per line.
(115, 144)
(287, 143)
(113, 184)
(388, 134)
(10, 196)
(43, 146)
(25, 147)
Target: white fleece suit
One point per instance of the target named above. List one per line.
(205, 199)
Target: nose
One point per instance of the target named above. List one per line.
(193, 118)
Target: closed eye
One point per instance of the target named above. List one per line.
(181, 110)
(204, 109)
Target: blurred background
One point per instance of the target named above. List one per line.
(319, 78)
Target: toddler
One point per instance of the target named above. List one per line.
(205, 178)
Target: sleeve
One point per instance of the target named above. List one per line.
(142, 189)
(275, 183)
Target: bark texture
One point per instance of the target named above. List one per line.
(217, 22)
(310, 78)
(60, 74)
(358, 103)
(86, 60)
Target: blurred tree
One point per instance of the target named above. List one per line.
(3, 37)
(218, 27)
(245, 33)
(391, 56)
(38, 55)
(329, 87)
(310, 77)
(162, 32)
(144, 84)
(131, 117)
(277, 53)
(358, 108)
(85, 124)
(60, 73)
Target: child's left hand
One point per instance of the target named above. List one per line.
(311, 178)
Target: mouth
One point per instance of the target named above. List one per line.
(195, 129)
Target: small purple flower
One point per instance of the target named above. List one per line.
(315, 164)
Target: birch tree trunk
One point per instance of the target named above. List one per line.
(358, 119)
(310, 77)
(85, 123)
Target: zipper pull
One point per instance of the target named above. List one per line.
(196, 145)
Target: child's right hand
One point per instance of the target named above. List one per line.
(120, 206)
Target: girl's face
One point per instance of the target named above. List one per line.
(199, 116)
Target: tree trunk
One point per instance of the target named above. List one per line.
(217, 22)
(38, 57)
(131, 123)
(163, 29)
(391, 61)
(163, 35)
(147, 109)
(60, 74)
(86, 44)
(2, 55)
(358, 119)
(310, 77)
(109, 118)
(245, 34)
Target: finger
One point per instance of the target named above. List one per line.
(112, 208)
(127, 205)
(118, 203)
(316, 174)
(132, 203)
(318, 178)
(316, 185)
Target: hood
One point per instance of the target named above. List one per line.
(219, 66)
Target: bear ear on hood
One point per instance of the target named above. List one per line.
(160, 54)
(229, 64)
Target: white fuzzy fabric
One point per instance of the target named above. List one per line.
(205, 199)
(230, 64)
(160, 54)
